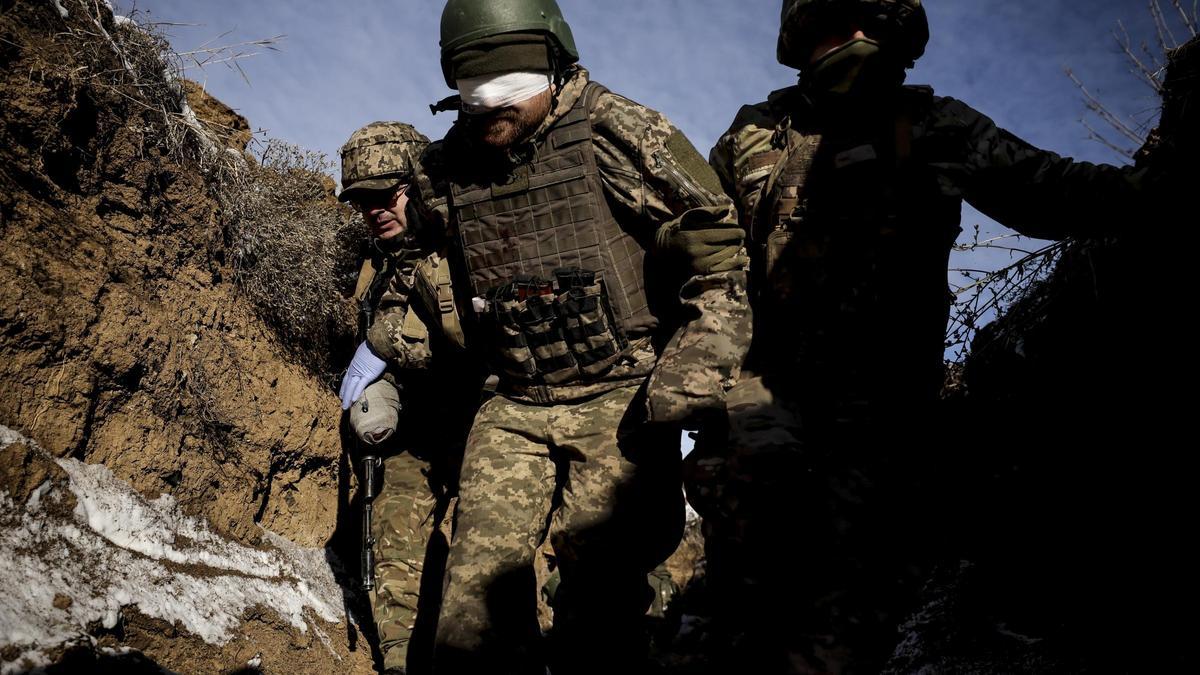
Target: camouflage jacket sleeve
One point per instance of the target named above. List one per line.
(1033, 191)
(655, 178)
(744, 157)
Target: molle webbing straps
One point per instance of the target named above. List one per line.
(541, 218)
(554, 333)
(373, 278)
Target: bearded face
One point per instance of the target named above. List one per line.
(504, 127)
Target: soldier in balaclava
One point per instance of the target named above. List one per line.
(849, 186)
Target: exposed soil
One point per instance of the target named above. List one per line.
(123, 341)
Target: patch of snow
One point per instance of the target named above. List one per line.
(112, 510)
(117, 18)
(8, 437)
(324, 637)
(119, 549)
(311, 567)
(30, 661)
(117, 651)
(127, 651)
(35, 500)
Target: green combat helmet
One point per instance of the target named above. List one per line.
(379, 156)
(901, 25)
(465, 23)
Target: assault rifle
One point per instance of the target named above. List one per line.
(370, 465)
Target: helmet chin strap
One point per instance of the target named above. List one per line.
(557, 73)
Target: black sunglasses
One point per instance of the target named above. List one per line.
(370, 199)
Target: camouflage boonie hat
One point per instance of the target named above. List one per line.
(380, 156)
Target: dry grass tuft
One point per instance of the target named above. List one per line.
(292, 249)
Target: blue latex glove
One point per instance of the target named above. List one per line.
(364, 369)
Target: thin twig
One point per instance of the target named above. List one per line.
(1095, 105)
(1150, 75)
(990, 291)
(1166, 39)
(1187, 20)
(205, 55)
(1094, 135)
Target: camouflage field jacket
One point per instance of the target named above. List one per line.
(851, 215)
(704, 336)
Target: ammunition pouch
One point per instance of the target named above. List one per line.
(553, 332)
(433, 285)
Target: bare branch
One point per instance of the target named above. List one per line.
(1188, 20)
(170, 24)
(991, 291)
(996, 247)
(1000, 237)
(1151, 75)
(242, 72)
(1166, 38)
(1095, 105)
(1094, 135)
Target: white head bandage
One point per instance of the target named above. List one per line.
(489, 92)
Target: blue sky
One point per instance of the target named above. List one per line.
(347, 63)
(344, 64)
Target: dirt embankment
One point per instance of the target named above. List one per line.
(124, 342)
(123, 339)
(1075, 497)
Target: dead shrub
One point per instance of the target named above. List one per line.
(133, 63)
(292, 248)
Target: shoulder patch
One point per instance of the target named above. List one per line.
(693, 163)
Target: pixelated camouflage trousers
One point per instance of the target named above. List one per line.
(411, 508)
(808, 534)
(604, 487)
